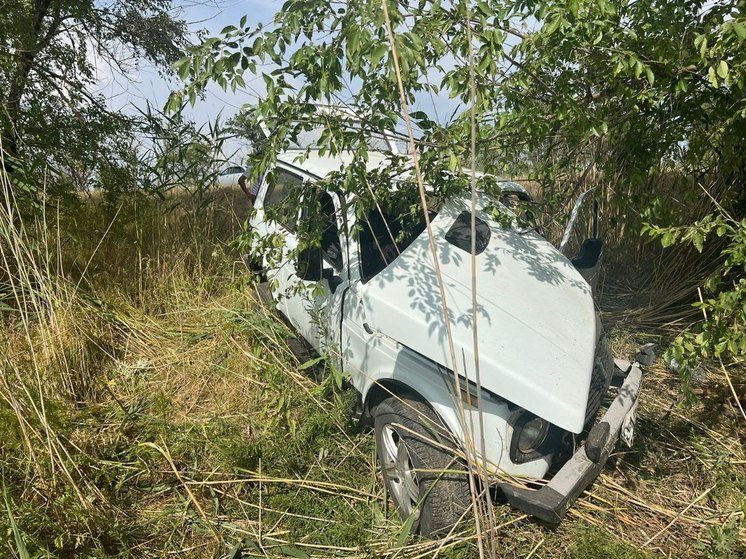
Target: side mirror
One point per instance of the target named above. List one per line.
(589, 254)
(587, 260)
(309, 265)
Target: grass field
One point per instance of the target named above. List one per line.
(150, 407)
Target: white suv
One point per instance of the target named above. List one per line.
(369, 298)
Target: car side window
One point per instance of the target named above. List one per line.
(331, 245)
(279, 191)
(322, 218)
(378, 247)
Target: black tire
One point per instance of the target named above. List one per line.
(443, 497)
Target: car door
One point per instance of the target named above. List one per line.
(281, 274)
(360, 345)
(315, 307)
(379, 240)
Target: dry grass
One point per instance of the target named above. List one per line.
(149, 407)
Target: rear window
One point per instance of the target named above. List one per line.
(232, 171)
(310, 139)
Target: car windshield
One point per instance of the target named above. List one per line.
(387, 230)
(510, 205)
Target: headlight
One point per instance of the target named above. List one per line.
(532, 434)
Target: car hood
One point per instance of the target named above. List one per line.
(536, 321)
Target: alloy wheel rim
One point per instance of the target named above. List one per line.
(399, 469)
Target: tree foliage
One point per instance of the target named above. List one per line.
(639, 91)
(650, 89)
(50, 54)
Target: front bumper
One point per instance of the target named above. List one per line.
(550, 503)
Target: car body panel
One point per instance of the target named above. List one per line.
(372, 358)
(321, 166)
(537, 324)
(536, 319)
(229, 176)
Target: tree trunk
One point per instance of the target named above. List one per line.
(24, 64)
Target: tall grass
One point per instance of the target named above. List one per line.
(150, 407)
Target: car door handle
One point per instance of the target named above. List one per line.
(367, 328)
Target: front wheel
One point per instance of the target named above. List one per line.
(422, 473)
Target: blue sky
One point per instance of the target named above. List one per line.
(207, 15)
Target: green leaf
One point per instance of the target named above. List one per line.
(702, 40)
(174, 102)
(650, 75)
(182, 66)
(406, 529)
(184, 71)
(668, 238)
(722, 69)
(20, 544)
(698, 240)
(554, 25)
(291, 551)
(452, 162)
(573, 6)
(713, 77)
(378, 53)
(310, 363)
(740, 29)
(235, 552)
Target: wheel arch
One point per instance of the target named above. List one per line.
(383, 388)
(379, 391)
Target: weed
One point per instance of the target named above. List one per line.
(150, 407)
(725, 542)
(592, 543)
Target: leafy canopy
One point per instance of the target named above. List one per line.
(644, 93)
(50, 54)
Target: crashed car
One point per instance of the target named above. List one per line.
(369, 299)
(229, 176)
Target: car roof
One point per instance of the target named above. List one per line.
(321, 166)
